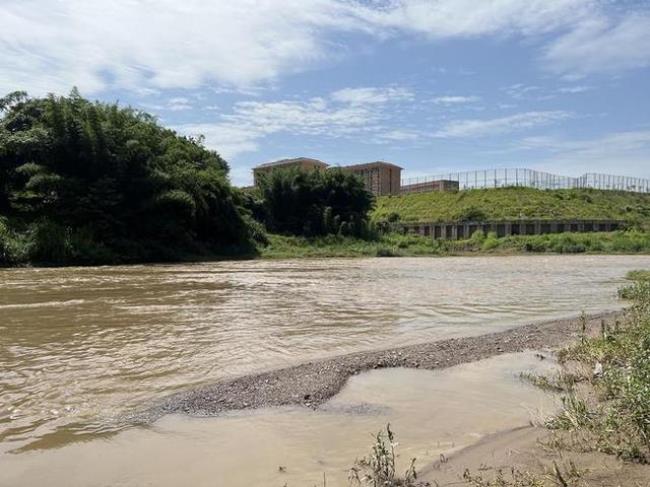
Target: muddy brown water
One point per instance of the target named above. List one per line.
(79, 347)
(431, 412)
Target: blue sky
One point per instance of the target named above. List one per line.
(431, 85)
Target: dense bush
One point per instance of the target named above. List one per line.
(88, 182)
(314, 203)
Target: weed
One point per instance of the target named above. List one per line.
(378, 469)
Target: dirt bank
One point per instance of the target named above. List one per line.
(523, 449)
(313, 383)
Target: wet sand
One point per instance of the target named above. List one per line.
(313, 383)
(523, 450)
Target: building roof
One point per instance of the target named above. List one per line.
(288, 162)
(366, 165)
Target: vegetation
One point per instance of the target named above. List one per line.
(84, 182)
(379, 468)
(398, 245)
(615, 417)
(513, 203)
(638, 276)
(313, 203)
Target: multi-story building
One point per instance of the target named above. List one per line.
(381, 178)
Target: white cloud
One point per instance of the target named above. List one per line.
(574, 89)
(179, 104)
(345, 113)
(602, 45)
(471, 18)
(398, 135)
(362, 96)
(501, 125)
(229, 140)
(145, 44)
(47, 45)
(455, 100)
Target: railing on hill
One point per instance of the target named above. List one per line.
(499, 178)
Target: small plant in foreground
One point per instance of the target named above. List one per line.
(378, 469)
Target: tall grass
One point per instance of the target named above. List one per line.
(615, 419)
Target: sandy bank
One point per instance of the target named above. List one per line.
(523, 449)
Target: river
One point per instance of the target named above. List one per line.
(79, 347)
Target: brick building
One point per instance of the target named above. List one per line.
(381, 178)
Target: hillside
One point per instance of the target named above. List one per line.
(512, 203)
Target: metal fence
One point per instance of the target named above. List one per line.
(500, 178)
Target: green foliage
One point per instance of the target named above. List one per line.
(315, 203)
(619, 423)
(379, 468)
(491, 242)
(570, 243)
(397, 244)
(638, 275)
(92, 182)
(515, 203)
(470, 213)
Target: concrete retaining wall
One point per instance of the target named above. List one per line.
(463, 230)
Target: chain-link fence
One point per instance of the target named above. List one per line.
(500, 178)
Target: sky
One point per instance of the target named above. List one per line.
(431, 85)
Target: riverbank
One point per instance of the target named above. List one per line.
(601, 434)
(524, 453)
(397, 245)
(312, 384)
(384, 245)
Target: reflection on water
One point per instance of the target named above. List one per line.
(432, 412)
(81, 345)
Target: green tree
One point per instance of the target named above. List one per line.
(128, 184)
(314, 203)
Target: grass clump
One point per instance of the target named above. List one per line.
(379, 469)
(638, 275)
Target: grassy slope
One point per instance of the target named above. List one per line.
(506, 203)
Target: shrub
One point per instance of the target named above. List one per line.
(490, 242)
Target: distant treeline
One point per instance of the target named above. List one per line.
(86, 182)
